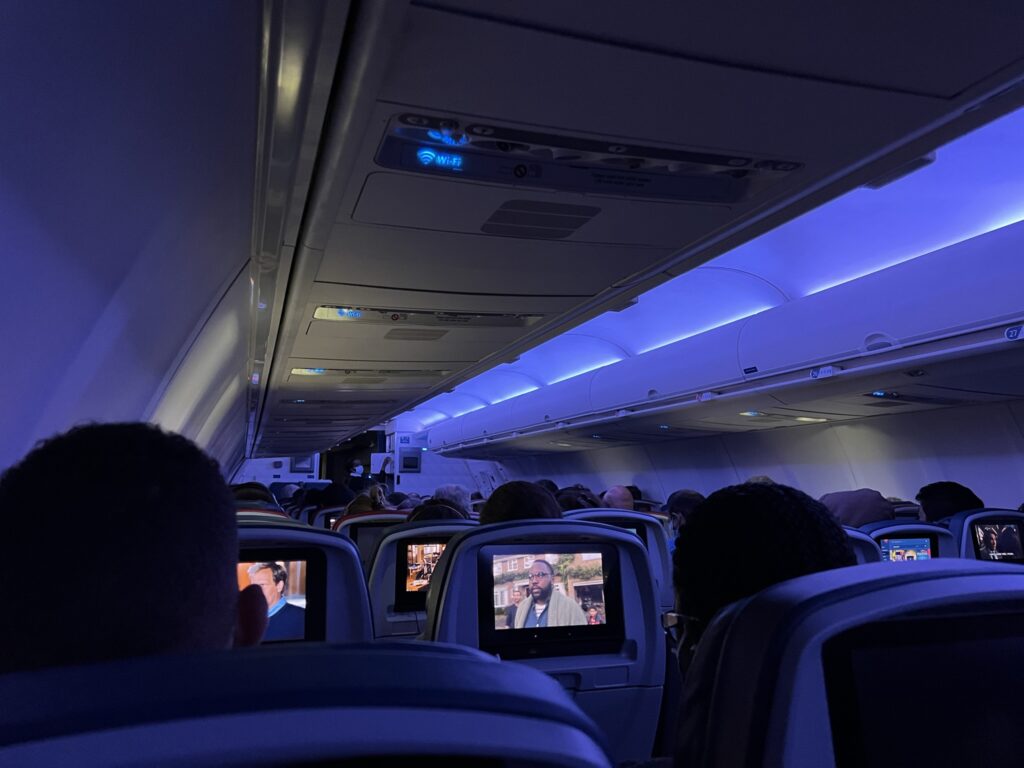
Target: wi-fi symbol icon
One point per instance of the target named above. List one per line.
(426, 156)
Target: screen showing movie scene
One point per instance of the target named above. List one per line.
(900, 550)
(421, 560)
(283, 583)
(998, 541)
(411, 582)
(538, 591)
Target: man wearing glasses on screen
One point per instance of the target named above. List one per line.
(547, 607)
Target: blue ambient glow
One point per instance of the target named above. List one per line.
(751, 413)
(308, 371)
(435, 159)
(587, 369)
(717, 324)
(468, 410)
(518, 393)
(353, 314)
(446, 137)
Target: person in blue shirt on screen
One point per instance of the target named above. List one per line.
(546, 606)
(285, 621)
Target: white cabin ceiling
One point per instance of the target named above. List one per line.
(780, 87)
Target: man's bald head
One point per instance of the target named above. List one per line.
(618, 497)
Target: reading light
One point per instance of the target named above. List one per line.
(751, 413)
(810, 419)
(562, 445)
(308, 371)
(663, 426)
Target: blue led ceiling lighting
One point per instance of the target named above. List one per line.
(976, 185)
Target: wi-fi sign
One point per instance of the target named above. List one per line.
(426, 156)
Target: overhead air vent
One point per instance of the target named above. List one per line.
(382, 315)
(535, 219)
(390, 373)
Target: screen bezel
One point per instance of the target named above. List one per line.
(584, 639)
(637, 527)
(355, 530)
(844, 703)
(411, 602)
(316, 585)
(994, 521)
(933, 543)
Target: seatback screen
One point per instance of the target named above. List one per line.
(414, 565)
(550, 601)
(913, 548)
(890, 679)
(293, 584)
(995, 540)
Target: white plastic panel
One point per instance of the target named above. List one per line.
(440, 205)
(552, 404)
(476, 263)
(695, 364)
(966, 286)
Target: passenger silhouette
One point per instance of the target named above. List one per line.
(945, 498)
(519, 500)
(772, 533)
(618, 497)
(162, 551)
(860, 507)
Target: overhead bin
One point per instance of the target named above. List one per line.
(966, 287)
(692, 365)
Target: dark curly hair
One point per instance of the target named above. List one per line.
(519, 500)
(745, 538)
(149, 568)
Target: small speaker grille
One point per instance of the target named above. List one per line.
(538, 220)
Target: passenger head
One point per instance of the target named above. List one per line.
(287, 493)
(396, 498)
(361, 504)
(435, 512)
(945, 498)
(618, 497)
(519, 500)
(454, 496)
(378, 500)
(409, 503)
(760, 480)
(680, 504)
(860, 507)
(548, 485)
(253, 492)
(575, 498)
(172, 515)
(745, 538)
(271, 578)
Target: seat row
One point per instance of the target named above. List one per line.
(980, 534)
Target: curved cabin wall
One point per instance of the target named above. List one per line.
(126, 197)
